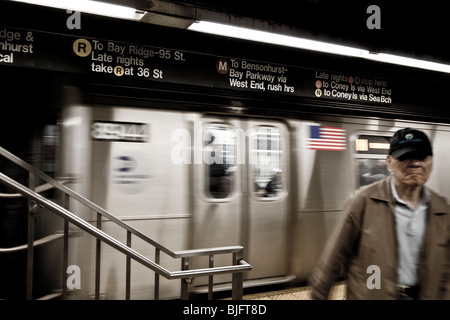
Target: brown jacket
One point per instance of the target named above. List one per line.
(365, 236)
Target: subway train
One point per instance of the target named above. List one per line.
(200, 141)
(205, 180)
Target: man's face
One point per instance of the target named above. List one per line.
(411, 171)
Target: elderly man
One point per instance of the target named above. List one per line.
(393, 239)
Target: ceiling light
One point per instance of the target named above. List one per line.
(94, 7)
(274, 38)
(408, 62)
(300, 43)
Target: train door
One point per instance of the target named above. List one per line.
(268, 181)
(241, 191)
(218, 198)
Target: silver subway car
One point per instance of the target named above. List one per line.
(191, 180)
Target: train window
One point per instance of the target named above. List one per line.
(220, 159)
(370, 156)
(266, 158)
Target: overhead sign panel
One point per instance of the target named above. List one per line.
(137, 62)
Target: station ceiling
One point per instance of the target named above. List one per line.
(418, 29)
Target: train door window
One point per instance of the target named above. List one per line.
(267, 159)
(370, 157)
(220, 159)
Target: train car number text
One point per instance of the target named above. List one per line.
(120, 131)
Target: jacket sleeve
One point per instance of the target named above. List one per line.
(339, 249)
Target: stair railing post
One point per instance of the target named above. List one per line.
(211, 278)
(237, 289)
(156, 287)
(98, 259)
(30, 248)
(185, 281)
(65, 249)
(128, 270)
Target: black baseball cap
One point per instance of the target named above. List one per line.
(410, 143)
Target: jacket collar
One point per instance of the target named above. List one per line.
(382, 191)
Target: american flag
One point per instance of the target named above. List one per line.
(327, 138)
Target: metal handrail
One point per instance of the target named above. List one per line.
(237, 251)
(74, 219)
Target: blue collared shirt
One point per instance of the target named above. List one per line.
(410, 228)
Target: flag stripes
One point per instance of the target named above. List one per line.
(327, 138)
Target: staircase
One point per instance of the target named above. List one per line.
(36, 200)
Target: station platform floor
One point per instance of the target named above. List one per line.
(338, 292)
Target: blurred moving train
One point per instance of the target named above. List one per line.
(204, 167)
(158, 187)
